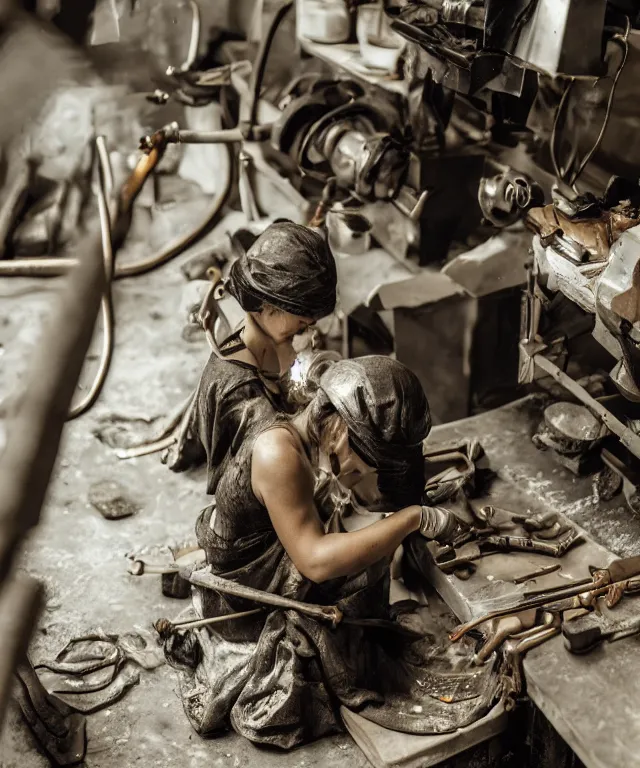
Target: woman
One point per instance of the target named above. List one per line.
(285, 283)
(280, 680)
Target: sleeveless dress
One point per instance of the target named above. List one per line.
(231, 396)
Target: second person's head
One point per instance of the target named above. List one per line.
(287, 280)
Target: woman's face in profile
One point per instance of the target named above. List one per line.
(282, 326)
(352, 471)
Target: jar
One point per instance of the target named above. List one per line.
(324, 21)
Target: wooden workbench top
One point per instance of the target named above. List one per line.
(593, 701)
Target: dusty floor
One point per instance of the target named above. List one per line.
(81, 557)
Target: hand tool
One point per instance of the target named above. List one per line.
(492, 544)
(583, 633)
(537, 574)
(328, 613)
(610, 581)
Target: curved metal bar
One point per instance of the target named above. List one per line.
(194, 42)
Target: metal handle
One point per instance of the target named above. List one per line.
(410, 205)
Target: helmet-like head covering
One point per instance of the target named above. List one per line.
(289, 266)
(387, 416)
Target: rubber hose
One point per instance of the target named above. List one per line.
(106, 305)
(261, 61)
(181, 244)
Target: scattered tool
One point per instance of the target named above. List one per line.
(514, 650)
(583, 633)
(327, 613)
(537, 574)
(165, 627)
(492, 544)
(208, 580)
(611, 581)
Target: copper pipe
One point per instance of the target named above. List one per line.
(144, 167)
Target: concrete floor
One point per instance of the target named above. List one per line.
(80, 556)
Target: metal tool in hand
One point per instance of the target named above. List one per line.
(486, 537)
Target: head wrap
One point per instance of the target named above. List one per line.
(387, 416)
(290, 267)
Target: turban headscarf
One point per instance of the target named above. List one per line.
(289, 266)
(387, 416)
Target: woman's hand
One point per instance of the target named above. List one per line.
(439, 524)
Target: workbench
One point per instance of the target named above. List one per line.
(592, 701)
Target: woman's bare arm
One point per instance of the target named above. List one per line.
(283, 481)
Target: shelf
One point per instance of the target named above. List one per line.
(347, 57)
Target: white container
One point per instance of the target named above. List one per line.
(349, 232)
(324, 21)
(380, 46)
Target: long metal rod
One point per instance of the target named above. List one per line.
(534, 602)
(223, 136)
(163, 626)
(14, 199)
(330, 613)
(44, 267)
(627, 437)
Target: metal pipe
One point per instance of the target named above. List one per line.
(194, 42)
(45, 267)
(207, 580)
(224, 136)
(106, 305)
(106, 171)
(165, 627)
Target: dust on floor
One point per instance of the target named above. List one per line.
(80, 556)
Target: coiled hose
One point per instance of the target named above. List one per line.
(183, 242)
(261, 61)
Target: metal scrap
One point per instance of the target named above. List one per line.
(537, 574)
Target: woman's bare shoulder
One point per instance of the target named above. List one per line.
(277, 444)
(279, 459)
